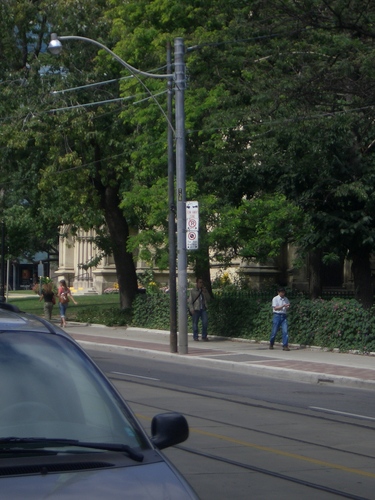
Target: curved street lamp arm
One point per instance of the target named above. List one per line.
(115, 56)
(55, 42)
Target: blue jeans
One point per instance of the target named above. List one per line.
(279, 321)
(202, 314)
(63, 308)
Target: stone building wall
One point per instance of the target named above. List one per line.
(76, 252)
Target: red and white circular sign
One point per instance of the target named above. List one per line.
(192, 223)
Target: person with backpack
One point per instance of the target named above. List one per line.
(197, 304)
(48, 296)
(64, 294)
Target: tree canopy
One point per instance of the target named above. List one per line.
(279, 121)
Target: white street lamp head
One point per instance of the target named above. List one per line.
(54, 46)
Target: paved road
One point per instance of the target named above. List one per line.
(311, 365)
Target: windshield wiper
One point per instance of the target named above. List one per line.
(17, 442)
(122, 448)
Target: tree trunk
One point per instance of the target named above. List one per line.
(202, 266)
(282, 264)
(206, 277)
(361, 269)
(119, 233)
(315, 274)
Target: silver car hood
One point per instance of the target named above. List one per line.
(152, 482)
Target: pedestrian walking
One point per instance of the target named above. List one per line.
(197, 303)
(64, 295)
(48, 296)
(280, 306)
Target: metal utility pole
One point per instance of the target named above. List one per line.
(2, 289)
(180, 80)
(172, 213)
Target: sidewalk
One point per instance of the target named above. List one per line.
(311, 365)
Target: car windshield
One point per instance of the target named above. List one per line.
(50, 389)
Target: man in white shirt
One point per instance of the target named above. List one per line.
(280, 306)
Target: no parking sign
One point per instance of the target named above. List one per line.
(192, 225)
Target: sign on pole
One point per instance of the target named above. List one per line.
(40, 269)
(192, 225)
(40, 274)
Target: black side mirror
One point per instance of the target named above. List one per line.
(169, 429)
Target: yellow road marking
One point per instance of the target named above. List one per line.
(276, 452)
(284, 453)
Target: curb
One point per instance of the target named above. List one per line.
(242, 367)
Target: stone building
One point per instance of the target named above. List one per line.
(76, 252)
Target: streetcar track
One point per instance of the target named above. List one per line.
(303, 411)
(268, 472)
(259, 431)
(252, 429)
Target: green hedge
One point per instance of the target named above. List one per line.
(334, 323)
(151, 310)
(233, 315)
(112, 316)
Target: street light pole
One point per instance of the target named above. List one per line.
(55, 47)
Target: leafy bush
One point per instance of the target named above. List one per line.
(108, 317)
(151, 310)
(262, 323)
(232, 315)
(334, 323)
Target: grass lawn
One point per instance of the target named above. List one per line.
(31, 304)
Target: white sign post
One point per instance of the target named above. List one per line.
(192, 225)
(40, 269)
(41, 275)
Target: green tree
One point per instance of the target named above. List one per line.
(29, 226)
(220, 165)
(279, 125)
(286, 110)
(69, 159)
(318, 148)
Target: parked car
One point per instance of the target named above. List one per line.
(65, 431)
